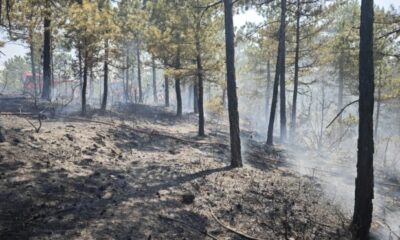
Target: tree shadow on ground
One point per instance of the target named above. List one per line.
(55, 204)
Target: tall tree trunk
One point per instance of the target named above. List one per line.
(153, 66)
(166, 90)
(80, 67)
(33, 68)
(364, 192)
(128, 86)
(296, 72)
(139, 70)
(178, 87)
(178, 96)
(91, 87)
(132, 83)
(280, 61)
(125, 90)
(282, 72)
(196, 95)
(270, 135)
(198, 88)
(46, 92)
(236, 156)
(105, 80)
(268, 90)
(85, 78)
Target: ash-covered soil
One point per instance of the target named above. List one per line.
(138, 172)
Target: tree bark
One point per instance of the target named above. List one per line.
(128, 86)
(166, 90)
(80, 67)
(105, 80)
(33, 68)
(236, 156)
(178, 86)
(198, 88)
(85, 78)
(268, 90)
(178, 96)
(364, 192)
(139, 70)
(279, 60)
(196, 95)
(296, 73)
(282, 72)
(91, 82)
(46, 92)
(153, 65)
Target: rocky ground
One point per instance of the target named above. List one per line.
(138, 172)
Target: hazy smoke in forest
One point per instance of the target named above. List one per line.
(329, 155)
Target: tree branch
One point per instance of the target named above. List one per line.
(341, 111)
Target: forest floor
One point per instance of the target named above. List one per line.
(139, 172)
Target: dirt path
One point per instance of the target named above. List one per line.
(145, 175)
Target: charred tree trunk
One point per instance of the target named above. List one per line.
(270, 137)
(296, 73)
(80, 67)
(364, 192)
(139, 70)
(268, 89)
(166, 90)
(85, 78)
(236, 156)
(280, 61)
(46, 92)
(196, 95)
(105, 80)
(91, 87)
(282, 72)
(33, 69)
(178, 86)
(153, 66)
(128, 86)
(198, 90)
(178, 96)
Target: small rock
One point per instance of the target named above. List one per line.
(107, 195)
(173, 151)
(16, 141)
(188, 198)
(69, 137)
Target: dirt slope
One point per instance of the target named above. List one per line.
(144, 175)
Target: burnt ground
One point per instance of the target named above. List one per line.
(138, 172)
